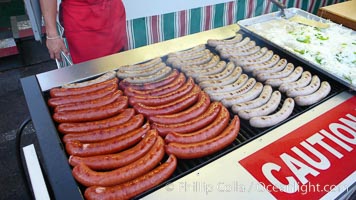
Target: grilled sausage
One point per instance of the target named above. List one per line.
(198, 61)
(122, 74)
(225, 81)
(229, 87)
(276, 68)
(309, 89)
(209, 71)
(302, 82)
(217, 76)
(266, 64)
(242, 90)
(262, 99)
(310, 99)
(214, 61)
(151, 78)
(142, 66)
(207, 147)
(227, 53)
(251, 94)
(215, 42)
(274, 75)
(107, 76)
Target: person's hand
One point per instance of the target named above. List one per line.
(55, 47)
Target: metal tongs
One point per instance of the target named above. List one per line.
(281, 6)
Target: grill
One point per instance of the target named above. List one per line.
(54, 159)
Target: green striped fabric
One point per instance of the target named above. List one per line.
(152, 29)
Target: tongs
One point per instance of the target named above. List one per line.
(299, 19)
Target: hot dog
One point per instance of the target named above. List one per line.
(82, 97)
(84, 175)
(215, 42)
(172, 107)
(207, 147)
(108, 99)
(148, 86)
(60, 92)
(163, 99)
(192, 112)
(270, 120)
(174, 85)
(151, 78)
(113, 145)
(107, 76)
(309, 89)
(262, 99)
(106, 133)
(134, 187)
(185, 127)
(251, 94)
(208, 132)
(122, 117)
(113, 161)
(302, 82)
(265, 109)
(310, 99)
(92, 114)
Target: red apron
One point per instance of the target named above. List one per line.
(94, 28)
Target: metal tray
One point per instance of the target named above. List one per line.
(290, 12)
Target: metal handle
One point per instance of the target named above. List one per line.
(280, 5)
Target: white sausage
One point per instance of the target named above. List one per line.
(209, 71)
(225, 81)
(146, 79)
(310, 99)
(260, 53)
(141, 66)
(215, 42)
(281, 64)
(214, 61)
(266, 64)
(276, 82)
(107, 76)
(146, 72)
(240, 53)
(245, 88)
(251, 94)
(302, 82)
(312, 87)
(227, 88)
(227, 71)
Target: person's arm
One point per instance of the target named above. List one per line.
(54, 42)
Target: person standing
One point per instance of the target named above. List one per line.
(93, 28)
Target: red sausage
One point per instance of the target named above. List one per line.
(194, 111)
(110, 98)
(84, 175)
(113, 161)
(203, 120)
(61, 92)
(149, 86)
(82, 97)
(174, 85)
(163, 99)
(112, 145)
(134, 187)
(92, 114)
(172, 107)
(208, 132)
(107, 133)
(123, 117)
(201, 149)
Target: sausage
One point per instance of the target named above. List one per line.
(309, 89)
(122, 74)
(266, 64)
(225, 81)
(208, 132)
(180, 80)
(228, 88)
(122, 117)
(104, 77)
(61, 92)
(106, 133)
(92, 114)
(226, 53)
(142, 66)
(164, 99)
(276, 82)
(113, 145)
(209, 71)
(267, 56)
(251, 94)
(56, 101)
(233, 47)
(136, 186)
(215, 42)
(229, 69)
(185, 127)
(172, 107)
(87, 177)
(185, 52)
(207, 147)
(241, 43)
(270, 120)
(108, 99)
(302, 82)
(281, 64)
(152, 85)
(310, 99)
(214, 61)
(237, 57)
(151, 78)
(280, 74)
(187, 57)
(262, 99)
(113, 161)
(265, 109)
(198, 61)
(218, 96)
(192, 112)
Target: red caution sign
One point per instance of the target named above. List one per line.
(312, 160)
